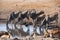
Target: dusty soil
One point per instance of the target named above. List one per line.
(49, 7)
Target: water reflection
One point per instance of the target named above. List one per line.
(30, 29)
(3, 27)
(37, 30)
(25, 29)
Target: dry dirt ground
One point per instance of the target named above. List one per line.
(8, 6)
(48, 6)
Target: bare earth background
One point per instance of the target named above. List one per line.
(49, 6)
